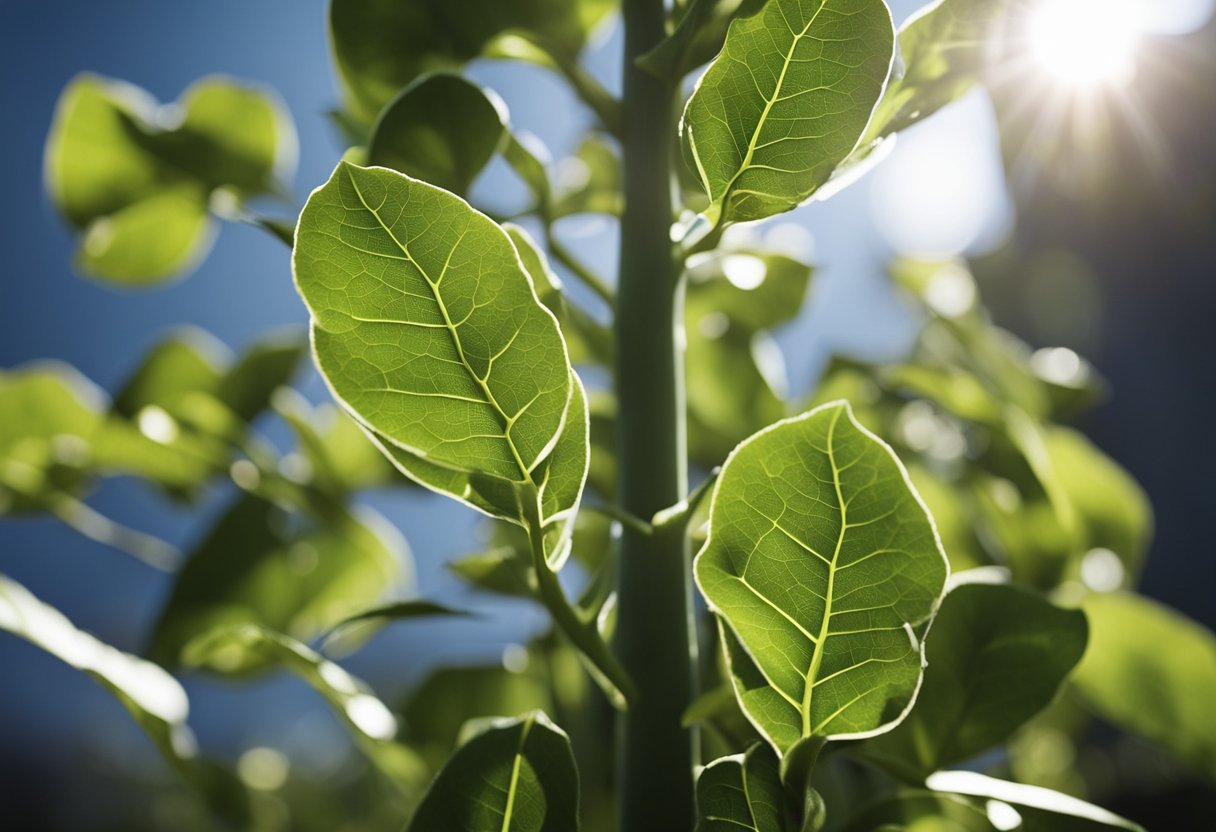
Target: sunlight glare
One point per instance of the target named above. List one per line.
(1086, 43)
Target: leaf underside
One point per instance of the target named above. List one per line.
(820, 560)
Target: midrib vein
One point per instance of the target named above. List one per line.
(817, 655)
(506, 421)
(771, 100)
(514, 783)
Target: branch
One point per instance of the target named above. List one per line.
(78, 516)
(566, 257)
(583, 633)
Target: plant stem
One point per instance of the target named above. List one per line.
(96, 526)
(655, 635)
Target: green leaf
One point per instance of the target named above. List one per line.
(698, 37)
(1152, 671)
(371, 722)
(255, 568)
(188, 360)
(426, 326)
(996, 656)
(587, 340)
(442, 129)
(148, 241)
(1113, 510)
(137, 179)
(268, 364)
(590, 180)
(742, 792)
(942, 49)
(821, 558)
(338, 456)
(383, 614)
(510, 775)
(1041, 810)
(380, 46)
(785, 103)
(154, 698)
(450, 696)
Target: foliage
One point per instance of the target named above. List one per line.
(846, 649)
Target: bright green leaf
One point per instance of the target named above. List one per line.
(1152, 671)
(821, 559)
(426, 325)
(996, 657)
(186, 361)
(154, 698)
(371, 722)
(441, 129)
(1041, 810)
(742, 792)
(785, 103)
(942, 50)
(138, 179)
(254, 568)
(147, 241)
(511, 775)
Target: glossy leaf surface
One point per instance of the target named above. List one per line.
(996, 656)
(821, 559)
(510, 775)
(785, 102)
(1042, 810)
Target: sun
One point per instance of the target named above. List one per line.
(1084, 44)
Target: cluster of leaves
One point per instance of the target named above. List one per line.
(448, 340)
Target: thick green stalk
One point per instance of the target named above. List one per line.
(655, 636)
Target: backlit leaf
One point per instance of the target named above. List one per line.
(785, 102)
(254, 568)
(821, 559)
(1041, 810)
(372, 724)
(510, 775)
(742, 792)
(137, 179)
(426, 325)
(942, 50)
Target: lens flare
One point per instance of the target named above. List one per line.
(1086, 43)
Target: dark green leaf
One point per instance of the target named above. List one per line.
(510, 775)
(742, 792)
(697, 38)
(996, 656)
(785, 103)
(380, 46)
(269, 363)
(821, 559)
(441, 129)
(1152, 672)
(187, 361)
(397, 611)
(449, 697)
